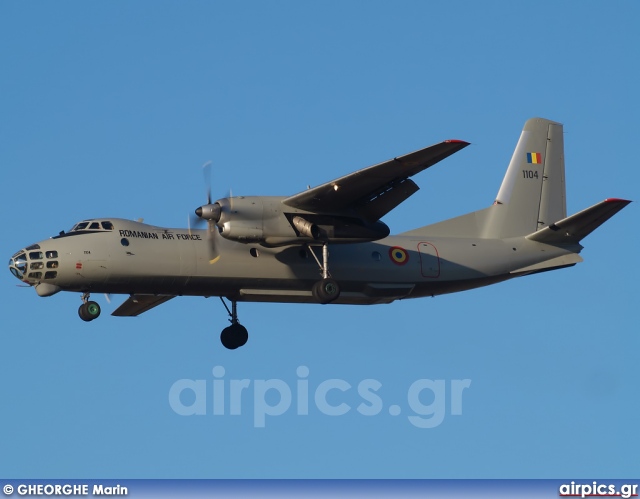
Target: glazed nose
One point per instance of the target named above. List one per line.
(18, 264)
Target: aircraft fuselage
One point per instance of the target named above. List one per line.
(137, 258)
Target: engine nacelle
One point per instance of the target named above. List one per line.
(242, 231)
(263, 219)
(241, 219)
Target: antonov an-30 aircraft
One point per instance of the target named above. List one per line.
(327, 244)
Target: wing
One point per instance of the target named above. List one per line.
(137, 304)
(373, 192)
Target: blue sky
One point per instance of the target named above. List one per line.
(108, 109)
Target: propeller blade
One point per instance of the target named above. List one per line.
(212, 235)
(194, 221)
(206, 171)
(212, 231)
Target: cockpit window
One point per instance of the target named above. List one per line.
(92, 226)
(36, 255)
(52, 254)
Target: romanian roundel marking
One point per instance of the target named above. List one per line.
(398, 255)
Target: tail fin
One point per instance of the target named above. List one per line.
(532, 194)
(531, 201)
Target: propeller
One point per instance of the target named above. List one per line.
(209, 213)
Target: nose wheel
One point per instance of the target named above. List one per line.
(89, 310)
(235, 335)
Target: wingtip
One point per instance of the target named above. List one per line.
(617, 200)
(456, 141)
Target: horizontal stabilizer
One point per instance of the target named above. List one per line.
(137, 304)
(576, 227)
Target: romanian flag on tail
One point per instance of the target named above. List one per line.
(534, 158)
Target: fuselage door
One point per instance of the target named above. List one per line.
(429, 260)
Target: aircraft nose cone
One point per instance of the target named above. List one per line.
(199, 211)
(18, 264)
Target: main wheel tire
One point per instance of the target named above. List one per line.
(82, 312)
(326, 291)
(89, 311)
(314, 291)
(93, 310)
(234, 336)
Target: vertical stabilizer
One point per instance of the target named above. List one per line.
(532, 194)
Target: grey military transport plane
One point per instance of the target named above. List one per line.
(276, 249)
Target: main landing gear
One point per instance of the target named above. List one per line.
(326, 290)
(89, 310)
(236, 334)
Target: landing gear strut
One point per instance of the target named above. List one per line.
(236, 334)
(326, 290)
(89, 310)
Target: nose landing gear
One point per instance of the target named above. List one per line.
(235, 335)
(89, 310)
